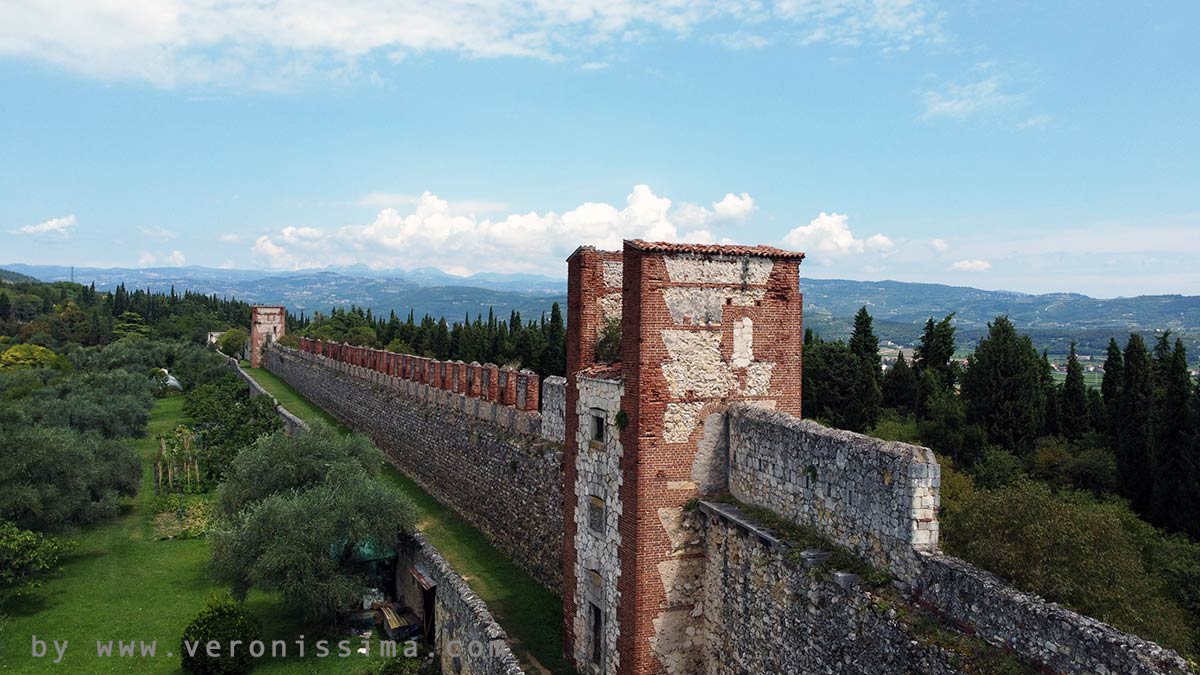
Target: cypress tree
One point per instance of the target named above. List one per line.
(1114, 374)
(1052, 417)
(5, 307)
(1074, 420)
(1133, 427)
(1004, 388)
(1173, 448)
(900, 386)
(935, 353)
(864, 405)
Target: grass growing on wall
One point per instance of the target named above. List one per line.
(529, 613)
(121, 583)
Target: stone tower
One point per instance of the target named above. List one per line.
(265, 323)
(701, 326)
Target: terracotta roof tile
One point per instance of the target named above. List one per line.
(713, 249)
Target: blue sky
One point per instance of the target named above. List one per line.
(1024, 146)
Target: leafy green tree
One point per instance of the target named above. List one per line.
(233, 341)
(361, 336)
(52, 478)
(900, 387)
(1003, 388)
(280, 463)
(1133, 424)
(227, 420)
(1070, 550)
(867, 398)
(28, 356)
(1075, 419)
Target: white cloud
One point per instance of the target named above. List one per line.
(959, 101)
(175, 259)
(531, 242)
(157, 232)
(271, 44)
(1035, 122)
(594, 65)
(972, 265)
(464, 207)
(939, 245)
(146, 259)
(742, 40)
(829, 233)
(57, 227)
(230, 238)
(730, 209)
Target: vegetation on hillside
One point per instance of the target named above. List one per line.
(1087, 497)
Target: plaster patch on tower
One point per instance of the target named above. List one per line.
(710, 467)
(613, 271)
(709, 269)
(610, 307)
(695, 364)
(758, 378)
(743, 342)
(679, 419)
(702, 306)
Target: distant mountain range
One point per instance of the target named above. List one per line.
(900, 309)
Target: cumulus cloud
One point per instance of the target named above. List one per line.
(517, 242)
(939, 245)
(829, 233)
(268, 42)
(730, 209)
(61, 227)
(972, 265)
(175, 258)
(230, 238)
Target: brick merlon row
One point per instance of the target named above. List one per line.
(486, 381)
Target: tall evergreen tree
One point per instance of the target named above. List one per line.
(1174, 426)
(1074, 420)
(1052, 417)
(936, 351)
(1004, 389)
(5, 307)
(1114, 373)
(1132, 425)
(863, 412)
(900, 386)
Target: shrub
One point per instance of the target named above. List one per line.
(25, 555)
(996, 468)
(223, 620)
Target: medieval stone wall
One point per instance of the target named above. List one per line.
(291, 423)
(877, 498)
(466, 452)
(467, 638)
(1043, 633)
(763, 614)
(554, 408)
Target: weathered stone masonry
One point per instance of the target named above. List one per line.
(506, 483)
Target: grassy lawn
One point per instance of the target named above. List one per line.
(120, 583)
(530, 614)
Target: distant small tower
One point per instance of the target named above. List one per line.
(266, 323)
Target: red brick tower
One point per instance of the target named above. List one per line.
(702, 326)
(265, 323)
